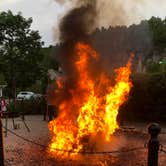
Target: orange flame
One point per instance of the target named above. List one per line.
(92, 108)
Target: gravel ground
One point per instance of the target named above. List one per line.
(19, 152)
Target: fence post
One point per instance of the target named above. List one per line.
(153, 144)
(1, 144)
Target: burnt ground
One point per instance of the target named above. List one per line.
(19, 152)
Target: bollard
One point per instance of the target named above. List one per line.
(1, 144)
(153, 144)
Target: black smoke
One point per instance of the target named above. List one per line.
(76, 26)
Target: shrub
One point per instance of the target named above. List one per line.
(147, 99)
(32, 106)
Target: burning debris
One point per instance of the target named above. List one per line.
(92, 106)
(88, 99)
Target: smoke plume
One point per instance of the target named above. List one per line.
(115, 44)
(76, 26)
(78, 23)
(120, 12)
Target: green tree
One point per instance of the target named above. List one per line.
(20, 54)
(158, 29)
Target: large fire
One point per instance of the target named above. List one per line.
(92, 108)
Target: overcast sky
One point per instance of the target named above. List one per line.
(47, 13)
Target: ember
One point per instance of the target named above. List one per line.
(91, 110)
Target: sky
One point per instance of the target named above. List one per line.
(46, 14)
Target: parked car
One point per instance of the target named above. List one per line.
(25, 95)
(37, 95)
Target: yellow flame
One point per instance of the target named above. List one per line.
(91, 109)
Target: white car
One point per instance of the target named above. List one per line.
(25, 95)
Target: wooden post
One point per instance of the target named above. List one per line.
(153, 144)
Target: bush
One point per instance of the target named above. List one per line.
(33, 106)
(147, 99)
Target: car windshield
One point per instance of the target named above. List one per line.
(24, 93)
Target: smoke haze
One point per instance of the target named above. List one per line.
(120, 12)
(114, 45)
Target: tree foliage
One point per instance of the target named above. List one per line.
(158, 29)
(19, 50)
(147, 98)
